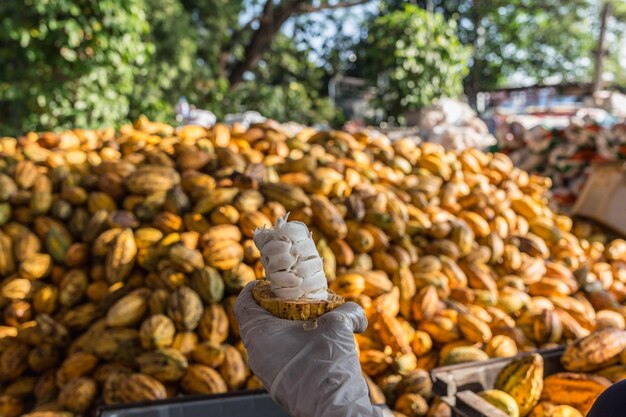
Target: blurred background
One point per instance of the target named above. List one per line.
(78, 63)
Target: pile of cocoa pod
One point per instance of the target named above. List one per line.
(122, 252)
(591, 365)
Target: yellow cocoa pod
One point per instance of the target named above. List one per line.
(403, 363)
(36, 266)
(249, 201)
(522, 379)
(221, 232)
(546, 409)
(184, 307)
(438, 408)
(549, 287)
(111, 389)
(209, 354)
(13, 360)
(502, 401)
(415, 382)
(547, 327)
(327, 217)
(501, 346)
(608, 318)
(595, 351)
(411, 405)
(250, 221)
(462, 354)
(388, 302)
(233, 368)
(425, 304)
(526, 207)
(291, 197)
(367, 237)
(200, 379)
(46, 390)
(223, 254)
(422, 343)
(139, 387)
(209, 285)
(349, 284)
(479, 225)
(117, 344)
(185, 342)
(78, 395)
(127, 311)
(613, 373)
(157, 302)
(168, 222)
(157, 332)
(474, 329)
(440, 329)
(72, 287)
(376, 283)
(577, 390)
(428, 361)
(374, 362)
(120, 257)
(362, 239)
(545, 229)
(150, 179)
(188, 260)
(17, 312)
(43, 357)
(77, 365)
(238, 277)
(344, 254)
(10, 406)
(7, 260)
(22, 387)
(391, 333)
(226, 214)
(254, 383)
(166, 365)
(213, 326)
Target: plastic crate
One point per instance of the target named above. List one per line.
(457, 384)
(233, 404)
(237, 404)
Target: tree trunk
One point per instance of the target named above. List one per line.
(270, 21)
(601, 50)
(269, 25)
(472, 81)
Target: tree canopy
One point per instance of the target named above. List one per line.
(69, 62)
(91, 64)
(516, 41)
(416, 58)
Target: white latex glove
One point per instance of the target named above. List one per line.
(310, 368)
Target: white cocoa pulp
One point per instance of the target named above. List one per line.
(292, 263)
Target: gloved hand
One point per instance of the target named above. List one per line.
(311, 369)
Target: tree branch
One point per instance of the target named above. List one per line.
(328, 6)
(270, 22)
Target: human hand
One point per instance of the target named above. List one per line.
(310, 368)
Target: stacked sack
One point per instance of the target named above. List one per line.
(454, 125)
(121, 255)
(564, 154)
